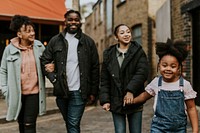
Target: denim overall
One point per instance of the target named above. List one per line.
(170, 114)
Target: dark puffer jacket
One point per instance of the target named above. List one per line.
(56, 51)
(116, 81)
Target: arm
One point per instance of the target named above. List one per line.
(141, 73)
(143, 97)
(193, 115)
(104, 92)
(3, 73)
(47, 58)
(95, 72)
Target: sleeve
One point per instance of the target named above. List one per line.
(189, 93)
(95, 72)
(3, 73)
(152, 87)
(46, 58)
(104, 92)
(136, 84)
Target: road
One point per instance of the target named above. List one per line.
(95, 120)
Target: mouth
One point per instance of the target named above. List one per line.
(168, 74)
(73, 27)
(127, 39)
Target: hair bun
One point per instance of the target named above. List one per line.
(177, 48)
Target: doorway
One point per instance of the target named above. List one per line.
(196, 53)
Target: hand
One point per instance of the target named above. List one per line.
(50, 67)
(128, 98)
(91, 100)
(106, 106)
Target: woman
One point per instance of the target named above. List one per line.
(124, 72)
(22, 81)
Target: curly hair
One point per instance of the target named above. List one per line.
(18, 21)
(177, 49)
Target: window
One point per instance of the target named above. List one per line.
(95, 20)
(122, 0)
(137, 33)
(109, 17)
(101, 11)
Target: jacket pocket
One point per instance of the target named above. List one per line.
(12, 58)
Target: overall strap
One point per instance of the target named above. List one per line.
(160, 81)
(181, 83)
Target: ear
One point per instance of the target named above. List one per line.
(116, 38)
(19, 34)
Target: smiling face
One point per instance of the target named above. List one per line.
(73, 23)
(169, 68)
(26, 34)
(123, 35)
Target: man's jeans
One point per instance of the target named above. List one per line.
(72, 110)
(134, 121)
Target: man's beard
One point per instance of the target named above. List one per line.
(73, 31)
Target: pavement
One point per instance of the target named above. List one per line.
(95, 119)
(51, 108)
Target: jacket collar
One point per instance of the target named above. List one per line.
(133, 48)
(78, 35)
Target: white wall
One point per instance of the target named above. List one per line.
(163, 23)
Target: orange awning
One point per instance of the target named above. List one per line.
(41, 11)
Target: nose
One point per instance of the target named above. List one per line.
(32, 32)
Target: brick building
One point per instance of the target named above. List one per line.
(180, 19)
(186, 25)
(139, 15)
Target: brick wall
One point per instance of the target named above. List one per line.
(132, 13)
(181, 29)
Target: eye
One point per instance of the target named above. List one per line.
(69, 19)
(173, 66)
(122, 32)
(164, 65)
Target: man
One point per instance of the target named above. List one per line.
(76, 73)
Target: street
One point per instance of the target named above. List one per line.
(95, 120)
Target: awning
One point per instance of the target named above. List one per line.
(40, 11)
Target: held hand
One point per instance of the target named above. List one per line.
(128, 98)
(106, 106)
(50, 67)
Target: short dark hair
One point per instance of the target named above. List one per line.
(72, 11)
(18, 21)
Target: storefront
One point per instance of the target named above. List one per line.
(47, 15)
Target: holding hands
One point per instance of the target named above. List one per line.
(128, 98)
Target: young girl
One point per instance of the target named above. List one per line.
(124, 71)
(172, 92)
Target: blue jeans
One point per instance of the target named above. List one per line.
(72, 110)
(134, 121)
